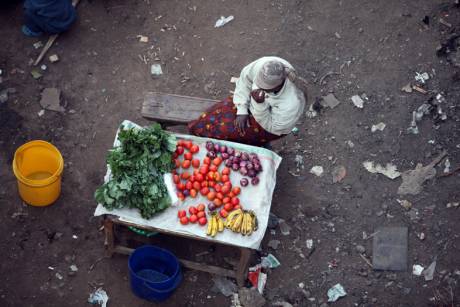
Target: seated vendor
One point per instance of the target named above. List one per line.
(47, 16)
(266, 105)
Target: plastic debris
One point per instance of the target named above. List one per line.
(417, 269)
(43, 67)
(222, 21)
(295, 130)
(309, 243)
(38, 45)
(224, 286)
(447, 166)
(270, 262)
(422, 77)
(74, 268)
(41, 113)
(390, 170)
(274, 244)
(428, 273)
(155, 70)
(235, 300)
(350, 144)
(378, 127)
(317, 170)
(311, 113)
(257, 278)
(335, 293)
(329, 101)
(407, 88)
(143, 39)
(36, 74)
(284, 227)
(412, 180)
(338, 173)
(53, 58)
(99, 297)
(357, 101)
(59, 276)
(454, 205)
(405, 204)
(251, 297)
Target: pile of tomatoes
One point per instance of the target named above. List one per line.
(209, 178)
(197, 214)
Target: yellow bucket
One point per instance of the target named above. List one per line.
(38, 166)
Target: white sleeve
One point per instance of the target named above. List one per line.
(242, 97)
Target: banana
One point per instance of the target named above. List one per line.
(255, 224)
(231, 217)
(248, 225)
(214, 226)
(237, 224)
(209, 228)
(220, 224)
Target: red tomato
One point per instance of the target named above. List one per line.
(193, 193)
(213, 168)
(185, 175)
(201, 207)
(231, 195)
(175, 155)
(226, 200)
(226, 171)
(228, 207)
(218, 187)
(220, 196)
(192, 210)
(184, 220)
(194, 149)
(211, 184)
(177, 163)
(211, 195)
(217, 202)
(192, 178)
(181, 213)
(210, 176)
(223, 213)
(237, 207)
(188, 156)
(201, 214)
(204, 170)
(217, 161)
(180, 186)
(196, 163)
(207, 160)
(204, 191)
(193, 218)
(225, 178)
(202, 221)
(197, 185)
(188, 144)
(176, 179)
(180, 195)
(180, 143)
(189, 185)
(235, 201)
(217, 176)
(179, 150)
(225, 190)
(199, 178)
(236, 190)
(204, 184)
(186, 164)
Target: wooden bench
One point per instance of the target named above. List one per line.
(174, 109)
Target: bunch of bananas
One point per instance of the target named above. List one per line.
(215, 224)
(242, 221)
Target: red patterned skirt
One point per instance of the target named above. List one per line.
(218, 122)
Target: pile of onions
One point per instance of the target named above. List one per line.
(247, 164)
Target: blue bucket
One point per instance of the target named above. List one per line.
(154, 273)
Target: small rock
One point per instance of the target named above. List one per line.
(274, 244)
(51, 100)
(360, 249)
(284, 228)
(357, 101)
(53, 58)
(59, 276)
(74, 268)
(317, 170)
(329, 101)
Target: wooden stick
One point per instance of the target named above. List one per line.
(51, 41)
(367, 261)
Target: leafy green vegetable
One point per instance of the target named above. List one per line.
(137, 166)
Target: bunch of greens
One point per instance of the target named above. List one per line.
(137, 166)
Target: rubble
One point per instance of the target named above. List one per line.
(51, 100)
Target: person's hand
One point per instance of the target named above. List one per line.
(258, 95)
(241, 123)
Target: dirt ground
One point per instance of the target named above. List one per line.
(373, 47)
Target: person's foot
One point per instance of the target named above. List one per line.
(27, 31)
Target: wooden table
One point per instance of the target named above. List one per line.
(240, 271)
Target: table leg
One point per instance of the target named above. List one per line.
(109, 236)
(243, 265)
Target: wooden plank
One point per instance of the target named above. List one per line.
(243, 266)
(109, 236)
(172, 108)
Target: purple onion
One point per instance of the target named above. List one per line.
(236, 160)
(216, 147)
(186, 193)
(252, 173)
(228, 163)
(243, 163)
(211, 154)
(225, 155)
(253, 156)
(257, 167)
(245, 156)
(211, 207)
(244, 182)
(223, 149)
(255, 181)
(235, 167)
(243, 171)
(237, 154)
(209, 145)
(249, 165)
(231, 151)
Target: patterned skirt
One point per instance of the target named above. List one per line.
(218, 122)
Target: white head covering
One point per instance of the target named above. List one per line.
(270, 75)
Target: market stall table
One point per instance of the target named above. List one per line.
(257, 198)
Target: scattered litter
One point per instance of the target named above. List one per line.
(445, 23)
(338, 173)
(390, 170)
(299, 162)
(337, 35)
(379, 127)
(412, 180)
(270, 262)
(428, 273)
(36, 74)
(295, 130)
(257, 278)
(417, 269)
(251, 297)
(311, 113)
(59, 276)
(155, 70)
(143, 39)
(274, 244)
(413, 124)
(350, 144)
(3, 96)
(329, 101)
(309, 243)
(74, 237)
(235, 300)
(422, 77)
(51, 268)
(357, 101)
(222, 21)
(447, 166)
(43, 67)
(224, 286)
(53, 58)
(360, 249)
(453, 205)
(405, 204)
(420, 90)
(421, 236)
(389, 250)
(284, 227)
(74, 268)
(38, 45)
(317, 170)
(99, 297)
(407, 88)
(51, 100)
(41, 113)
(335, 293)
